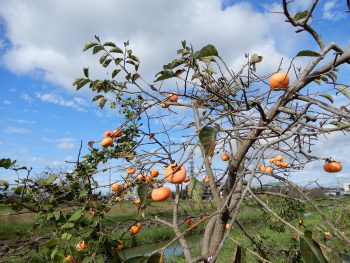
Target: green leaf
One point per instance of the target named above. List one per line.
(89, 45)
(87, 259)
(328, 97)
(255, 58)
(134, 58)
(66, 236)
(344, 91)
(239, 256)
(206, 51)
(165, 74)
(51, 179)
(142, 192)
(97, 97)
(310, 250)
(100, 259)
(57, 214)
(67, 225)
(75, 216)
(115, 72)
(109, 44)
(5, 184)
(118, 60)
(97, 49)
(106, 63)
(102, 102)
(300, 15)
(6, 163)
(53, 252)
(83, 192)
(103, 58)
(86, 72)
(332, 75)
(308, 53)
(82, 83)
(195, 190)
(175, 63)
(116, 50)
(207, 137)
(135, 77)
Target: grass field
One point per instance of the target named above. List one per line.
(255, 221)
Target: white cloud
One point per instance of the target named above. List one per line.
(62, 143)
(77, 103)
(21, 121)
(65, 143)
(15, 130)
(154, 29)
(331, 11)
(12, 90)
(26, 97)
(7, 102)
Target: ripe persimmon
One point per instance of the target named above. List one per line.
(154, 173)
(279, 158)
(279, 81)
(187, 179)
(161, 194)
(206, 180)
(228, 226)
(107, 134)
(262, 168)
(131, 170)
(272, 160)
(119, 199)
(268, 170)
(69, 258)
(332, 167)
(137, 201)
(173, 97)
(175, 173)
(116, 187)
(225, 157)
(116, 133)
(107, 142)
(81, 246)
(148, 179)
(129, 157)
(120, 245)
(164, 105)
(189, 222)
(134, 229)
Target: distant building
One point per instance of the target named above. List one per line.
(347, 187)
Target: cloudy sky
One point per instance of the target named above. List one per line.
(43, 118)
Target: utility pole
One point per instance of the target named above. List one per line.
(109, 178)
(191, 166)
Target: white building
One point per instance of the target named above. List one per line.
(347, 187)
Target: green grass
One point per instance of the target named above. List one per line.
(254, 220)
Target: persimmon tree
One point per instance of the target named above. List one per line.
(261, 126)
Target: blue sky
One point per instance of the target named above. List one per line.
(43, 119)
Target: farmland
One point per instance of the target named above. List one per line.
(252, 220)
